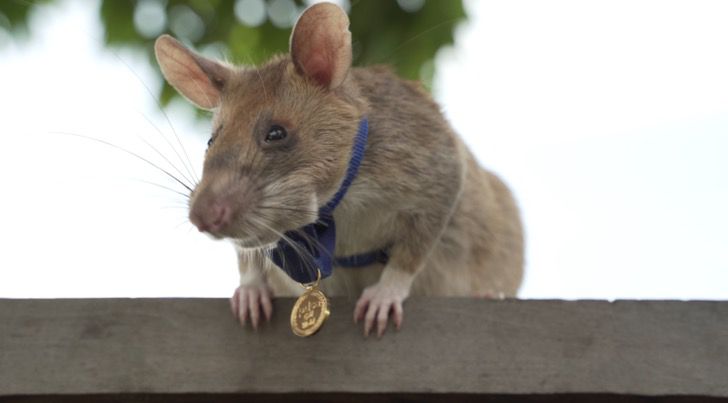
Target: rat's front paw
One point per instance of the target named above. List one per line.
(249, 300)
(375, 304)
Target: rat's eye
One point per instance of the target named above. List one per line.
(275, 133)
(209, 142)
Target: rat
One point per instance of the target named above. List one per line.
(281, 143)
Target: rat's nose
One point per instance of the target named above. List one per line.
(211, 217)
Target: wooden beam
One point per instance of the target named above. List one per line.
(182, 348)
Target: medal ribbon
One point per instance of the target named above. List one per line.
(304, 255)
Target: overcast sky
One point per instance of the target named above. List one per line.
(608, 119)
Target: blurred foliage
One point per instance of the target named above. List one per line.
(403, 33)
(14, 15)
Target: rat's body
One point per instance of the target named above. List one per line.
(415, 166)
(282, 141)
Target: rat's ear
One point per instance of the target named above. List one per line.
(197, 78)
(321, 44)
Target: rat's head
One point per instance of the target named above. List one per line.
(281, 135)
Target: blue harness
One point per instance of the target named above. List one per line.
(311, 247)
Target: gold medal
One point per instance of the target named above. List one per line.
(310, 310)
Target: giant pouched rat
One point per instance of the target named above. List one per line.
(281, 144)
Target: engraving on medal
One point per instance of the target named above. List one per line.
(309, 312)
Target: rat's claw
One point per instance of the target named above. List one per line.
(234, 303)
(369, 318)
(254, 307)
(382, 316)
(398, 314)
(248, 301)
(375, 305)
(265, 301)
(242, 307)
(360, 309)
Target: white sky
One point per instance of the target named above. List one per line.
(608, 119)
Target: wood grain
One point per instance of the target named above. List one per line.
(470, 347)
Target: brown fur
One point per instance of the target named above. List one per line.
(452, 228)
(420, 190)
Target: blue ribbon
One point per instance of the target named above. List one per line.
(311, 248)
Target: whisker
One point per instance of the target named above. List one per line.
(313, 241)
(128, 152)
(188, 179)
(415, 37)
(306, 257)
(291, 209)
(187, 166)
(185, 195)
(183, 223)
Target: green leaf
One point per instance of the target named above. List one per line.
(382, 32)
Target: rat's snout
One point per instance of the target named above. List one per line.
(217, 203)
(213, 216)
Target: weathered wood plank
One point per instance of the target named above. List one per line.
(357, 397)
(472, 347)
